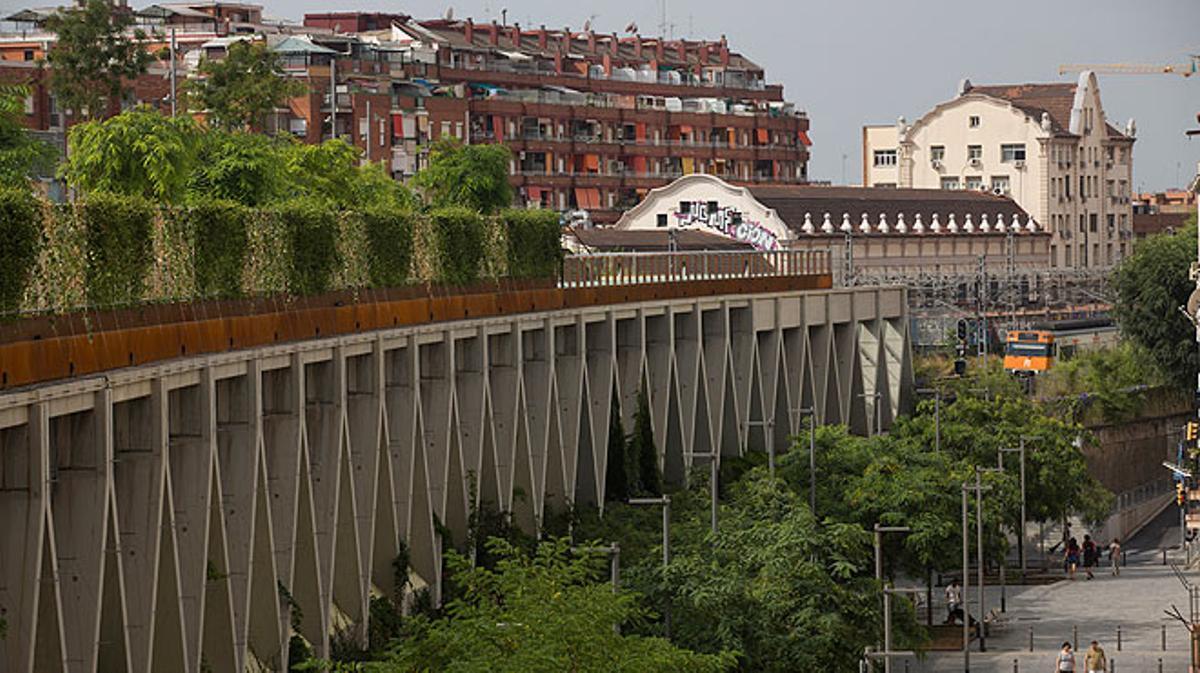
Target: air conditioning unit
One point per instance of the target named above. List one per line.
(998, 191)
(975, 163)
(936, 164)
(1019, 164)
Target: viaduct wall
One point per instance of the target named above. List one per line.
(154, 517)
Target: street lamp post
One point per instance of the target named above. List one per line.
(665, 502)
(978, 487)
(1021, 536)
(887, 596)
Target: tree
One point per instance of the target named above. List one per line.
(785, 592)
(243, 167)
(548, 611)
(1150, 286)
(21, 155)
(238, 92)
(138, 152)
(472, 176)
(93, 56)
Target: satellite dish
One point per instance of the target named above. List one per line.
(633, 28)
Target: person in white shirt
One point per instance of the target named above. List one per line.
(1066, 659)
(953, 601)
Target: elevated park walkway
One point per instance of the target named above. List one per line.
(178, 482)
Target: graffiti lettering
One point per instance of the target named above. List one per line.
(728, 221)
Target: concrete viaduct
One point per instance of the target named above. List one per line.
(176, 481)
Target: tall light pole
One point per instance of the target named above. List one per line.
(1021, 535)
(887, 596)
(978, 488)
(665, 502)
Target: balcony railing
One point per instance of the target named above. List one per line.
(487, 136)
(638, 268)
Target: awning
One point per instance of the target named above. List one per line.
(804, 139)
(639, 131)
(639, 165)
(533, 194)
(763, 137)
(689, 165)
(587, 198)
(591, 162)
(685, 129)
(398, 125)
(498, 128)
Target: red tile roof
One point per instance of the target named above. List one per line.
(1033, 99)
(604, 239)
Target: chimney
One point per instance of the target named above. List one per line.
(516, 35)
(542, 37)
(681, 48)
(608, 64)
(637, 45)
(616, 45)
(591, 35)
(703, 53)
(495, 33)
(469, 31)
(564, 41)
(724, 53)
(658, 49)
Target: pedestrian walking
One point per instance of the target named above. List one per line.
(1065, 660)
(953, 601)
(1091, 555)
(1094, 660)
(1071, 557)
(1114, 556)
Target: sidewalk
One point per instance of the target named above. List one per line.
(1134, 602)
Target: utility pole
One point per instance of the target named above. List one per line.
(981, 310)
(333, 96)
(1021, 534)
(978, 488)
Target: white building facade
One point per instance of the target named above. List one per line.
(1047, 146)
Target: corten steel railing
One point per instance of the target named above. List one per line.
(637, 268)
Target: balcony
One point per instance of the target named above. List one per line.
(487, 136)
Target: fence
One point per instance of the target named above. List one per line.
(636, 268)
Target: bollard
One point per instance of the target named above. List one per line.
(906, 666)
(1112, 666)
(1164, 637)
(1118, 637)
(1160, 665)
(1016, 666)
(1164, 556)
(1031, 639)
(1075, 637)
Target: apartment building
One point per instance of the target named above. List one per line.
(594, 120)
(1048, 146)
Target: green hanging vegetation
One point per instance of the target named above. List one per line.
(534, 249)
(311, 232)
(20, 239)
(119, 231)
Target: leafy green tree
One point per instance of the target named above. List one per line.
(1151, 285)
(237, 92)
(94, 56)
(471, 176)
(786, 593)
(235, 166)
(549, 612)
(138, 153)
(641, 447)
(21, 155)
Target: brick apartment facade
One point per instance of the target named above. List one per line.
(594, 120)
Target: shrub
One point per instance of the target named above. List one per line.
(389, 245)
(20, 239)
(118, 232)
(311, 232)
(534, 242)
(220, 238)
(457, 244)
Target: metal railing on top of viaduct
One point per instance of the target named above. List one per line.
(633, 268)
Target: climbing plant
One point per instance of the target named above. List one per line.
(455, 242)
(534, 249)
(219, 236)
(20, 239)
(311, 232)
(118, 233)
(389, 245)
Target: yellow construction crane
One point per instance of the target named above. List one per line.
(1185, 69)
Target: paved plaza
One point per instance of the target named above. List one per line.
(1095, 609)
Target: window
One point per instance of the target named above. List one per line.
(1000, 184)
(685, 207)
(1012, 152)
(1082, 187)
(1112, 222)
(950, 183)
(28, 54)
(29, 104)
(1053, 186)
(662, 220)
(975, 152)
(1067, 186)
(1123, 188)
(973, 121)
(1092, 220)
(974, 182)
(1108, 188)
(885, 158)
(1082, 223)
(937, 153)
(884, 185)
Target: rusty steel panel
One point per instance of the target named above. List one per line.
(47, 348)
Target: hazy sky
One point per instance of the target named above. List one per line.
(855, 62)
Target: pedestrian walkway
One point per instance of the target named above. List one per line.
(1085, 610)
